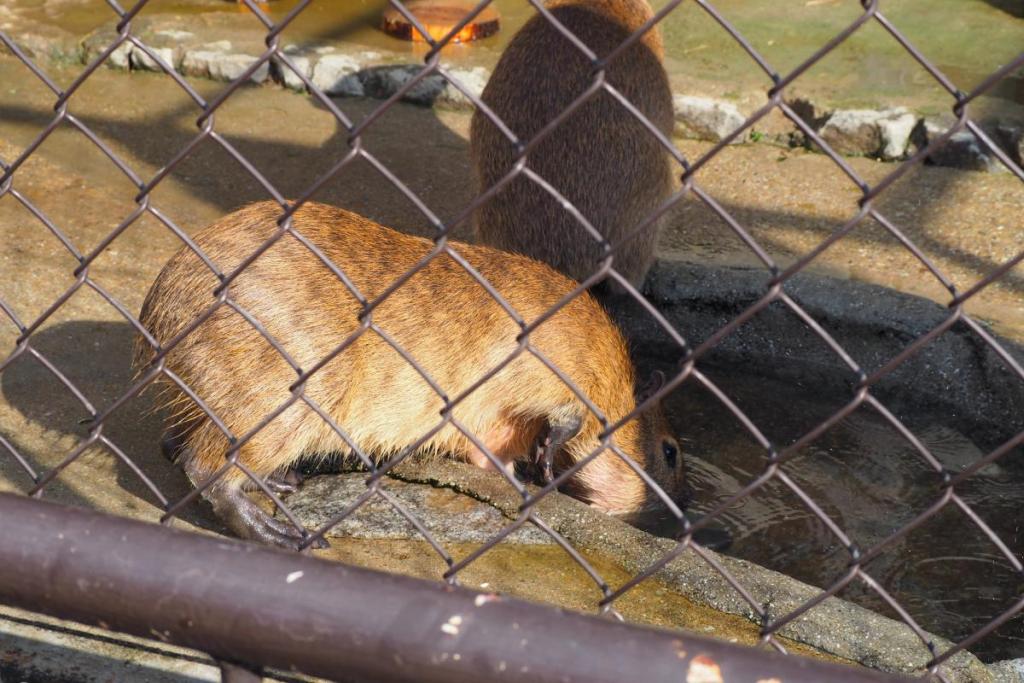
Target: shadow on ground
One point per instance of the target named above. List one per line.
(94, 356)
(433, 163)
(1014, 8)
(422, 152)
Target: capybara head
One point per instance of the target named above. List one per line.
(611, 484)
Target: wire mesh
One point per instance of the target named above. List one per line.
(689, 357)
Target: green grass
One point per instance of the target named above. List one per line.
(966, 39)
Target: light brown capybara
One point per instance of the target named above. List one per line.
(441, 317)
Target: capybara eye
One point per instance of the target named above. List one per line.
(671, 453)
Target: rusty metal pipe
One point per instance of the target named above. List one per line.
(242, 602)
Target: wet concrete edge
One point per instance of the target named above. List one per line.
(834, 626)
(957, 376)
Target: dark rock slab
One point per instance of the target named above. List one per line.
(448, 516)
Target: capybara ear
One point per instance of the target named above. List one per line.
(654, 384)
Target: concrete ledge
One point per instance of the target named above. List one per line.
(957, 375)
(834, 626)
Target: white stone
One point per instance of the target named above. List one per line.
(231, 67)
(337, 75)
(1007, 671)
(706, 118)
(474, 80)
(197, 62)
(121, 57)
(895, 131)
(881, 133)
(140, 60)
(853, 131)
(290, 78)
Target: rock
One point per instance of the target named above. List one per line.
(809, 112)
(301, 58)
(1007, 671)
(384, 81)
(170, 56)
(97, 43)
(833, 625)
(232, 66)
(286, 76)
(1011, 139)
(867, 132)
(197, 62)
(219, 45)
(94, 43)
(707, 119)
(449, 517)
(473, 80)
(895, 132)
(120, 58)
(853, 132)
(36, 46)
(338, 75)
(214, 61)
(962, 149)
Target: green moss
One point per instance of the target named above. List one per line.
(965, 39)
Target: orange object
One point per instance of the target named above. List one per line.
(439, 17)
(261, 4)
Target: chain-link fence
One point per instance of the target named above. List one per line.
(499, 337)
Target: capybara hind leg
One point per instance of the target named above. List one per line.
(559, 431)
(478, 458)
(497, 441)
